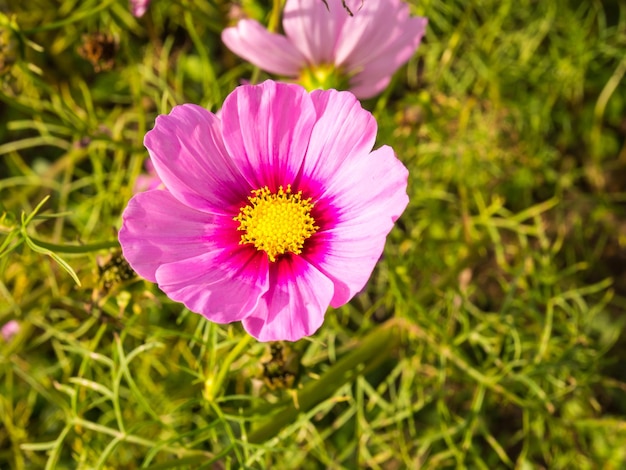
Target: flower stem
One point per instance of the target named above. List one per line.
(213, 387)
(277, 10)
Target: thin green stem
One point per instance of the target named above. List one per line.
(76, 249)
(213, 387)
(275, 15)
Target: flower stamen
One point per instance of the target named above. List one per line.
(276, 223)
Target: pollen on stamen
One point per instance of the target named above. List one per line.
(276, 223)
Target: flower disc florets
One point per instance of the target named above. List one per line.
(276, 223)
(324, 76)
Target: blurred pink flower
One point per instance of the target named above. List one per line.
(139, 7)
(271, 212)
(10, 329)
(148, 180)
(327, 48)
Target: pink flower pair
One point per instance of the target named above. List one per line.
(270, 212)
(278, 207)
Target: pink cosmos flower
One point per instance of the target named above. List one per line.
(9, 330)
(139, 7)
(325, 46)
(270, 213)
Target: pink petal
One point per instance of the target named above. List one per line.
(362, 36)
(313, 28)
(223, 285)
(343, 130)
(368, 194)
(364, 87)
(369, 30)
(294, 305)
(376, 73)
(146, 183)
(189, 157)
(271, 52)
(158, 229)
(9, 330)
(375, 42)
(139, 7)
(266, 130)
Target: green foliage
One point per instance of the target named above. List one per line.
(491, 334)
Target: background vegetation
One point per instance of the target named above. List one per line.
(491, 334)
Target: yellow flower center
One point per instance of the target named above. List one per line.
(323, 76)
(276, 223)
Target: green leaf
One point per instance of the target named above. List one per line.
(52, 255)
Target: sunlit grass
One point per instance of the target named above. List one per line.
(490, 335)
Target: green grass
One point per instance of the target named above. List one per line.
(491, 334)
